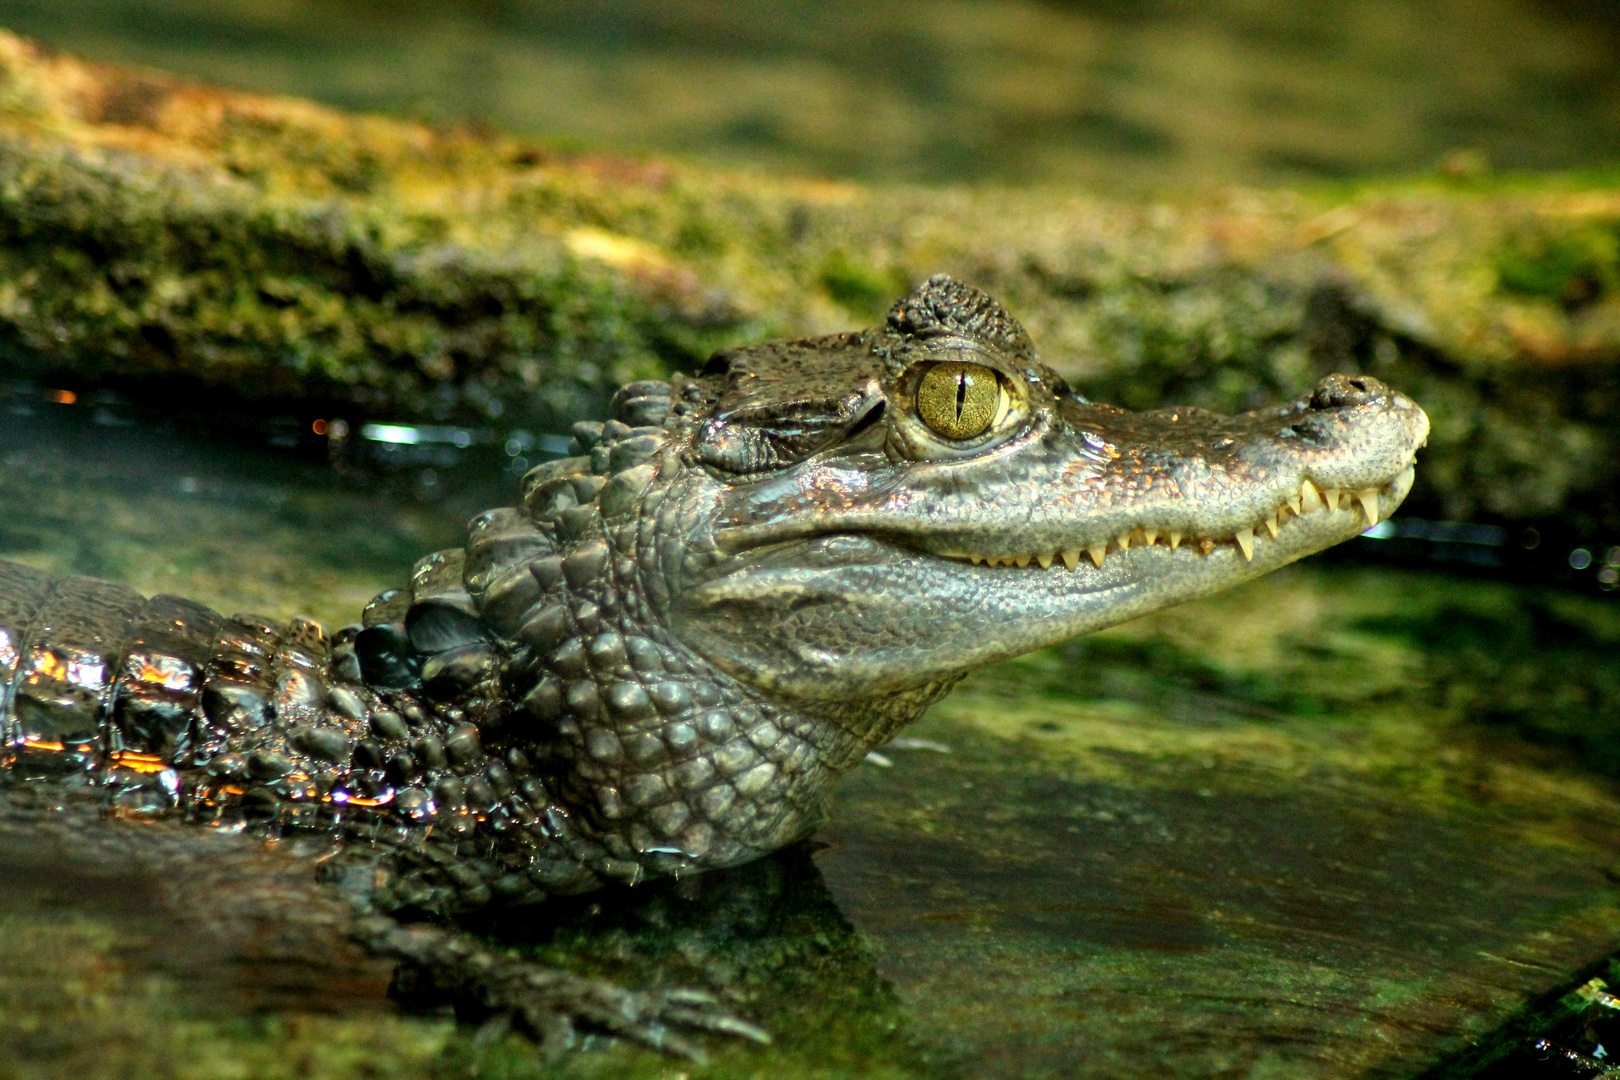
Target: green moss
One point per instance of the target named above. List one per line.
(865, 291)
(1574, 267)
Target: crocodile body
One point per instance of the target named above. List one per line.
(661, 657)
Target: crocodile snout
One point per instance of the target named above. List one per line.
(1339, 391)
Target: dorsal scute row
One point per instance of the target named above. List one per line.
(558, 533)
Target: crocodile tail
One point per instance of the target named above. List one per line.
(162, 701)
(90, 669)
(95, 678)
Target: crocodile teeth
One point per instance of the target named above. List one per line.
(1309, 499)
(1245, 540)
(1369, 503)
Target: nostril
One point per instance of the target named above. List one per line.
(1339, 391)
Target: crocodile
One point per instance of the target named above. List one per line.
(660, 658)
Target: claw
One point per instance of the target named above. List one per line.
(730, 1025)
(546, 1004)
(687, 996)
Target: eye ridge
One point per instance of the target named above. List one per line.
(959, 400)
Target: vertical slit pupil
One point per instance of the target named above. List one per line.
(961, 392)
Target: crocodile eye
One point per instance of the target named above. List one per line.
(960, 400)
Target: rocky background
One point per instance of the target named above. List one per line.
(183, 243)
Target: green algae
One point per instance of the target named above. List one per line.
(103, 973)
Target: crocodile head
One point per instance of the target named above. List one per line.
(886, 509)
(752, 575)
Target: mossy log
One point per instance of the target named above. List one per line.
(166, 238)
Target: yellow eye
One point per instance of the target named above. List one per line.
(959, 400)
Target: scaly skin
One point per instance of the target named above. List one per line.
(659, 661)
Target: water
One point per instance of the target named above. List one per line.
(1117, 96)
(1339, 822)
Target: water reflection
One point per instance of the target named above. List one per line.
(1549, 551)
(216, 506)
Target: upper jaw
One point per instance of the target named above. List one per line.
(1097, 481)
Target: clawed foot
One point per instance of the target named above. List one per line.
(550, 1006)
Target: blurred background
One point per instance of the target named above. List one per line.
(1122, 96)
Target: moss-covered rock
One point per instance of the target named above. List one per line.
(170, 237)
